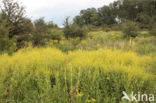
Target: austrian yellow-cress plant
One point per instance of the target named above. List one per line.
(48, 75)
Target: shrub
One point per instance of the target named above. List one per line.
(116, 27)
(69, 45)
(153, 31)
(55, 34)
(4, 39)
(6, 44)
(74, 31)
(130, 29)
(39, 37)
(107, 29)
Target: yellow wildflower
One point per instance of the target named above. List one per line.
(69, 52)
(133, 43)
(84, 42)
(55, 41)
(108, 78)
(47, 72)
(98, 45)
(114, 36)
(79, 94)
(78, 38)
(37, 74)
(51, 43)
(63, 38)
(87, 47)
(91, 100)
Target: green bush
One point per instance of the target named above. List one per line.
(40, 37)
(130, 29)
(75, 31)
(153, 31)
(55, 34)
(116, 27)
(4, 40)
(6, 44)
(69, 45)
(107, 29)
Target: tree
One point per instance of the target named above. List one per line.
(87, 14)
(137, 10)
(51, 25)
(73, 30)
(144, 19)
(96, 19)
(40, 35)
(130, 29)
(128, 9)
(55, 34)
(79, 21)
(87, 17)
(4, 37)
(14, 15)
(141, 11)
(19, 26)
(6, 44)
(106, 15)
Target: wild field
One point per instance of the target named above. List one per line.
(65, 51)
(93, 70)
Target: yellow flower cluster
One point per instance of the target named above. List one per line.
(42, 63)
(79, 94)
(84, 42)
(115, 36)
(55, 41)
(108, 78)
(91, 100)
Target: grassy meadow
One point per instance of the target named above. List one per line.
(95, 69)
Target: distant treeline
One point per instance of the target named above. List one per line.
(141, 11)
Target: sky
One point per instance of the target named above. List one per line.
(57, 10)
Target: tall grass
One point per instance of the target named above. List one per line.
(47, 75)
